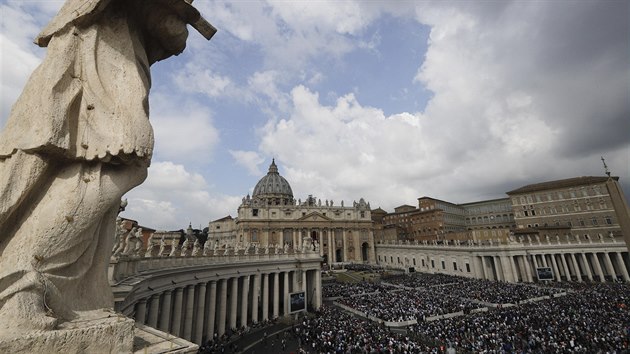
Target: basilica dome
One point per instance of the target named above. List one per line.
(273, 188)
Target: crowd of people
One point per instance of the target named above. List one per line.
(595, 319)
(406, 305)
(335, 289)
(421, 280)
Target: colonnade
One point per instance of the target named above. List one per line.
(205, 309)
(567, 266)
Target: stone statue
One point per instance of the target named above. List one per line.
(175, 249)
(150, 247)
(196, 248)
(162, 246)
(77, 139)
(129, 241)
(286, 247)
(119, 245)
(256, 249)
(138, 241)
(206, 248)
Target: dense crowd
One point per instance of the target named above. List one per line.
(334, 331)
(340, 289)
(497, 292)
(421, 280)
(594, 320)
(408, 305)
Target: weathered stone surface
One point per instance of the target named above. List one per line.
(92, 334)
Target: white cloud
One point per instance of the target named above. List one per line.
(250, 160)
(173, 196)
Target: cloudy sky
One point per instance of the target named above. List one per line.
(385, 100)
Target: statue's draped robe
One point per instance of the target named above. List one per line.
(76, 140)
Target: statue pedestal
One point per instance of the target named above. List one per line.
(89, 334)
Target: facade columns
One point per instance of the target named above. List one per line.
(345, 246)
(609, 266)
(212, 309)
(598, 268)
(483, 268)
(276, 294)
(305, 286)
(622, 267)
(331, 246)
(285, 295)
(265, 297)
(514, 269)
(233, 302)
(201, 311)
(528, 269)
(317, 303)
(188, 317)
(255, 295)
(154, 302)
(165, 311)
(564, 266)
(244, 298)
(372, 257)
(576, 268)
(177, 312)
(141, 311)
(589, 274)
(554, 265)
(222, 307)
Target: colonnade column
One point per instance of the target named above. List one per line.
(565, 267)
(371, 241)
(305, 287)
(317, 303)
(576, 268)
(345, 246)
(483, 268)
(188, 317)
(233, 303)
(244, 298)
(154, 302)
(212, 309)
(165, 311)
(177, 312)
(514, 269)
(222, 307)
(331, 246)
(598, 268)
(201, 311)
(265, 297)
(285, 294)
(276, 294)
(609, 266)
(554, 264)
(255, 298)
(589, 274)
(141, 311)
(528, 268)
(622, 266)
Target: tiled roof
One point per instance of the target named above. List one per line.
(561, 183)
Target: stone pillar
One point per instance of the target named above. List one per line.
(622, 267)
(554, 264)
(501, 271)
(514, 269)
(255, 295)
(201, 311)
(265, 297)
(598, 268)
(299, 231)
(528, 268)
(212, 310)
(244, 298)
(222, 307)
(154, 303)
(567, 274)
(483, 268)
(544, 260)
(587, 267)
(317, 301)
(535, 263)
(331, 246)
(345, 246)
(233, 303)
(480, 273)
(177, 312)
(609, 266)
(188, 316)
(372, 257)
(285, 295)
(576, 268)
(276, 294)
(141, 311)
(165, 312)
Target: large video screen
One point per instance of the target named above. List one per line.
(297, 301)
(544, 273)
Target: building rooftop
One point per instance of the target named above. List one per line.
(561, 183)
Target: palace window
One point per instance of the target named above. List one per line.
(608, 220)
(254, 212)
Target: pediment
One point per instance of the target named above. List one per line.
(315, 216)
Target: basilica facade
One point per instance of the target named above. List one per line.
(272, 217)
